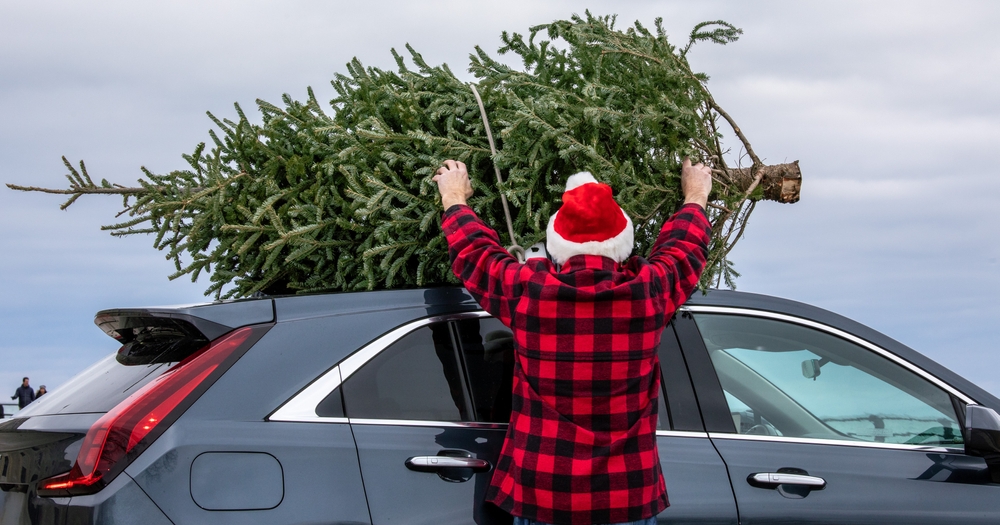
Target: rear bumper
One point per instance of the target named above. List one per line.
(120, 502)
(17, 508)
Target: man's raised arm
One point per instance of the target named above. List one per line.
(681, 249)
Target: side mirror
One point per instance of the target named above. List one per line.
(982, 426)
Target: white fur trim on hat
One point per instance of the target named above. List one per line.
(617, 248)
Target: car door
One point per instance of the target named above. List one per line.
(697, 481)
(698, 485)
(818, 426)
(429, 403)
(427, 444)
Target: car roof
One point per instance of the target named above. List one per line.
(449, 299)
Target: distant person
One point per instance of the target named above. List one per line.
(24, 394)
(41, 392)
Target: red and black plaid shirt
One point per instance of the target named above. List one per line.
(581, 445)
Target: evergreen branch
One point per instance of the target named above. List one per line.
(78, 191)
(569, 138)
(708, 95)
(307, 200)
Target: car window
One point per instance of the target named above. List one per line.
(416, 378)
(784, 379)
(97, 389)
(332, 405)
(488, 353)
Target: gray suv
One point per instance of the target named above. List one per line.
(391, 407)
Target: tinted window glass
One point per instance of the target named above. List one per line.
(789, 380)
(488, 352)
(332, 405)
(96, 389)
(417, 378)
(662, 418)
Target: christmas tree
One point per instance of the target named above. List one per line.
(341, 198)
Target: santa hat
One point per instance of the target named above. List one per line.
(590, 222)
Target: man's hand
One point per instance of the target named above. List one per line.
(453, 183)
(696, 183)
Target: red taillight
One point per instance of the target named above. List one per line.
(127, 429)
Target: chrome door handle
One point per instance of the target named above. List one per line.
(436, 463)
(773, 479)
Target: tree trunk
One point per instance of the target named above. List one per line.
(780, 182)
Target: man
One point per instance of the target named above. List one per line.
(24, 394)
(581, 444)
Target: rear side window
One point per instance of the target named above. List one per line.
(416, 378)
(97, 389)
(452, 371)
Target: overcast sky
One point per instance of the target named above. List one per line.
(890, 107)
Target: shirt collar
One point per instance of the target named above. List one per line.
(588, 262)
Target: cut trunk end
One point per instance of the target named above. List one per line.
(779, 182)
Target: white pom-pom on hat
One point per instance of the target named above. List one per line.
(589, 222)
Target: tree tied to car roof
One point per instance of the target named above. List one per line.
(341, 198)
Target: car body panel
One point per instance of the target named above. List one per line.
(397, 494)
(338, 470)
(697, 481)
(290, 357)
(863, 485)
(122, 501)
(864, 482)
(319, 467)
(433, 301)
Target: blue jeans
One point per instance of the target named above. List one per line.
(650, 521)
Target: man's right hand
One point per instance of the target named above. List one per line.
(696, 183)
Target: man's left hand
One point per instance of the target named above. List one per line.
(453, 183)
(696, 183)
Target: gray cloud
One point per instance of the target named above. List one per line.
(890, 107)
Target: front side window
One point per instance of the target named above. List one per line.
(784, 379)
(488, 354)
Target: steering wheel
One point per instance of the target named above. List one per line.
(763, 429)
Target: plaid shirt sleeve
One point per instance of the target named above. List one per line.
(489, 273)
(680, 252)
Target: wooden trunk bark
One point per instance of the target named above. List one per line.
(780, 182)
